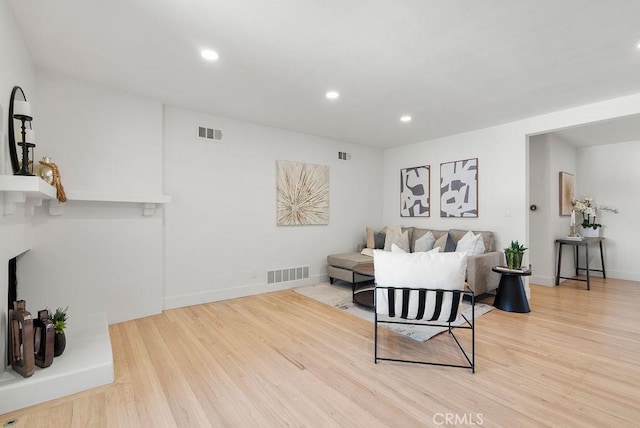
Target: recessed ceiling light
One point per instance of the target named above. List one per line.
(209, 55)
(405, 118)
(332, 95)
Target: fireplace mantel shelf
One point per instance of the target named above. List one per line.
(149, 201)
(32, 191)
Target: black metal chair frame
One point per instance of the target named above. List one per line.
(468, 325)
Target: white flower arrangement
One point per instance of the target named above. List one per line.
(589, 211)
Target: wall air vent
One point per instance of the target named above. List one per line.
(287, 274)
(344, 156)
(209, 133)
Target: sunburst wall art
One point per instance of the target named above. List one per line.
(303, 193)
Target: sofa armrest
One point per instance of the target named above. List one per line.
(479, 274)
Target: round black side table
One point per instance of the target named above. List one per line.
(510, 296)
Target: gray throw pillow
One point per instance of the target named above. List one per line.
(451, 245)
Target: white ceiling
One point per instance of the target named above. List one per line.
(454, 65)
(620, 130)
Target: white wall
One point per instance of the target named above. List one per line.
(549, 155)
(220, 228)
(540, 220)
(501, 183)
(15, 231)
(97, 257)
(503, 168)
(610, 175)
(221, 225)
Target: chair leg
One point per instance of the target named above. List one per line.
(473, 333)
(375, 329)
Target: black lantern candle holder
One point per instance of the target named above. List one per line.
(22, 114)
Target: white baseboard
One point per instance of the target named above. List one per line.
(172, 302)
(542, 280)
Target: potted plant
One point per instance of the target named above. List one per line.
(589, 211)
(514, 255)
(59, 319)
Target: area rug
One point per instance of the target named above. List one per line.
(339, 296)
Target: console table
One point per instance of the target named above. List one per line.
(584, 242)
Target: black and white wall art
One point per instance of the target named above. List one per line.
(414, 191)
(459, 188)
(303, 193)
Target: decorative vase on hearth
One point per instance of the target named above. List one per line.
(59, 343)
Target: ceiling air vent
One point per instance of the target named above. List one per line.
(209, 133)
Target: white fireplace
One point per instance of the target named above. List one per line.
(87, 361)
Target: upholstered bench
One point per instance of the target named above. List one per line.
(340, 266)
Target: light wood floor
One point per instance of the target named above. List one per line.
(281, 359)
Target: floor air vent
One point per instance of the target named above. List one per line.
(287, 274)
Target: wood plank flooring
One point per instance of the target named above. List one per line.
(281, 359)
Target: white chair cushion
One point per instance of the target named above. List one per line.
(432, 270)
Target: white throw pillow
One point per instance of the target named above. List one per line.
(471, 244)
(396, 236)
(424, 243)
(396, 249)
(445, 271)
(367, 252)
(433, 270)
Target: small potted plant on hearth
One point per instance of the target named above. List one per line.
(59, 319)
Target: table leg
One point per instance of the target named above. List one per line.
(559, 263)
(576, 257)
(510, 296)
(586, 250)
(604, 275)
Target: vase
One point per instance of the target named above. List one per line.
(44, 171)
(59, 343)
(589, 232)
(514, 260)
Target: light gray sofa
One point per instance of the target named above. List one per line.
(480, 277)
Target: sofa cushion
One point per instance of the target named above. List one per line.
(347, 260)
